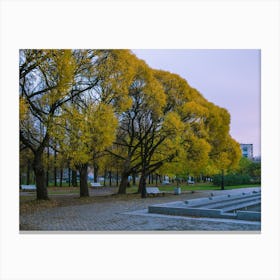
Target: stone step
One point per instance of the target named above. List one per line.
(221, 199)
(205, 200)
(224, 204)
(241, 205)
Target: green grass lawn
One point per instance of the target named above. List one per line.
(64, 192)
(203, 187)
(196, 187)
(133, 189)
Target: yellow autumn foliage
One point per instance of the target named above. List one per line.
(59, 72)
(156, 107)
(115, 69)
(82, 133)
(173, 124)
(147, 89)
(23, 109)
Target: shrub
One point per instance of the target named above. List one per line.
(232, 179)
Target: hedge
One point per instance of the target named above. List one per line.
(232, 180)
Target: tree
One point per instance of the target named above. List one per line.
(88, 124)
(160, 126)
(225, 151)
(72, 101)
(188, 147)
(249, 167)
(26, 157)
(45, 79)
(138, 121)
(83, 133)
(51, 78)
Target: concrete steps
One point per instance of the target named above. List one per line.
(228, 203)
(224, 206)
(207, 201)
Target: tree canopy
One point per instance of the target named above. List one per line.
(87, 105)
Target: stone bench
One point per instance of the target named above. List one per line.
(28, 187)
(153, 191)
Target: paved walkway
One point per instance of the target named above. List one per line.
(129, 215)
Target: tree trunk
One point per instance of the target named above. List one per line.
(28, 172)
(123, 183)
(105, 173)
(95, 172)
(61, 177)
(124, 177)
(74, 178)
(55, 169)
(20, 180)
(48, 167)
(69, 176)
(133, 178)
(110, 178)
(117, 179)
(142, 185)
(41, 188)
(83, 169)
(47, 178)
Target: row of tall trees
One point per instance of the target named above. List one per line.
(91, 106)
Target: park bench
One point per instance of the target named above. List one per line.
(165, 182)
(28, 187)
(93, 184)
(153, 191)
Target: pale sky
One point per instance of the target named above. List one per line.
(228, 78)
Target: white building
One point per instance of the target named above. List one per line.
(247, 150)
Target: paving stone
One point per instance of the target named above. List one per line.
(126, 215)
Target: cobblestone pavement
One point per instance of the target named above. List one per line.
(127, 215)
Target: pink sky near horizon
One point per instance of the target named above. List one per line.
(229, 78)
